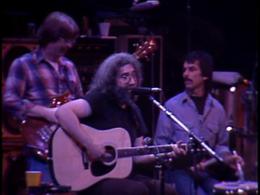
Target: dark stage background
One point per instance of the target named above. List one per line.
(225, 28)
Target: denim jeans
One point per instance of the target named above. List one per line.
(186, 183)
(34, 164)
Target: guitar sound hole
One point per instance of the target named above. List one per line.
(98, 168)
(109, 156)
(107, 163)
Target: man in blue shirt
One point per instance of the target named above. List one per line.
(204, 116)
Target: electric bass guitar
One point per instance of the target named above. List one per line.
(71, 166)
(37, 131)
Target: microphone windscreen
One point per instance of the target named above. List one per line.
(145, 90)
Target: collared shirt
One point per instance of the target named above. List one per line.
(210, 126)
(33, 80)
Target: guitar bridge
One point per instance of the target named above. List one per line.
(85, 160)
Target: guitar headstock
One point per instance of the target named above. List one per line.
(145, 49)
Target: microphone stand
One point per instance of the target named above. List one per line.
(185, 128)
(160, 167)
(161, 159)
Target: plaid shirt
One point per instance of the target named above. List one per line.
(32, 80)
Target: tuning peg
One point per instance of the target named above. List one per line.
(135, 45)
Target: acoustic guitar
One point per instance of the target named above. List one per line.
(37, 131)
(71, 166)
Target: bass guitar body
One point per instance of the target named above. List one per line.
(37, 131)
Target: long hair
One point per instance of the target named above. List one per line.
(105, 80)
(105, 77)
(57, 25)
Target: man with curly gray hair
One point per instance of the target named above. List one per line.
(108, 105)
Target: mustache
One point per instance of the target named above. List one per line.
(187, 79)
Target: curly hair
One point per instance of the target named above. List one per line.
(105, 76)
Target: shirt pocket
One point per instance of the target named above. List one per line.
(210, 133)
(212, 128)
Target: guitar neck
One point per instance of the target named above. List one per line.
(143, 150)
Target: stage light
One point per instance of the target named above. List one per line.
(229, 128)
(232, 89)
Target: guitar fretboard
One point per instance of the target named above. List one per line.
(143, 150)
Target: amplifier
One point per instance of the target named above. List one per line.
(88, 53)
(13, 48)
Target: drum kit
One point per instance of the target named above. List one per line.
(236, 188)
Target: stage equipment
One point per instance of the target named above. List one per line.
(145, 90)
(13, 48)
(227, 78)
(88, 53)
(238, 97)
(146, 5)
(236, 188)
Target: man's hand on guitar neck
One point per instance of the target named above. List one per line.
(178, 150)
(43, 112)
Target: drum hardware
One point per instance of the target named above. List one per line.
(236, 188)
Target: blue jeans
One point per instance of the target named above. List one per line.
(34, 164)
(186, 183)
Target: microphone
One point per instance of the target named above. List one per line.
(145, 90)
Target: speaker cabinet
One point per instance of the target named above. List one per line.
(13, 48)
(152, 64)
(152, 71)
(88, 53)
(12, 163)
(240, 107)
